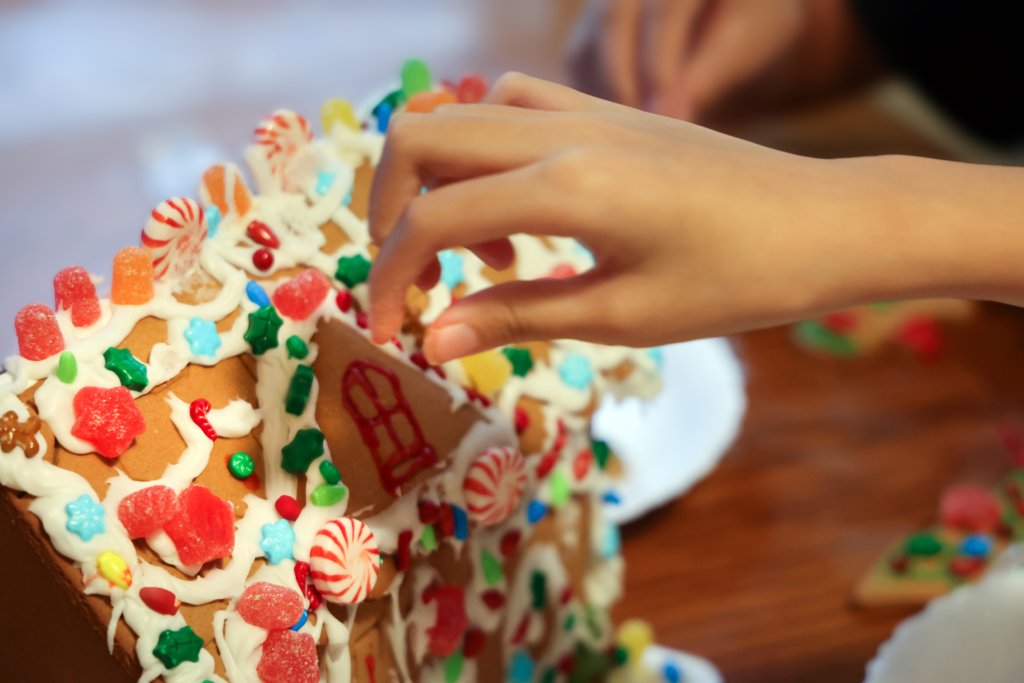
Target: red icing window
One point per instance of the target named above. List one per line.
(373, 397)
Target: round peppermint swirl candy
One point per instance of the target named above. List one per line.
(282, 135)
(494, 485)
(174, 236)
(344, 561)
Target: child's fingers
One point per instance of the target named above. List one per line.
(472, 212)
(498, 254)
(524, 92)
(620, 49)
(670, 25)
(522, 310)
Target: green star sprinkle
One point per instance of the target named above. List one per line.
(264, 325)
(520, 358)
(175, 647)
(353, 270)
(130, 372)
(307, 446)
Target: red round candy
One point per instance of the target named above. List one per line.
(451, 622)
(287, 507)
(344, 300)
(39, 335)
(971, 508)
(471, 89)
(263, 259)
(302, 295)
(270, 606)
(260, 233)
(145, 512)
(160, 600)
(289, 657)
(204, 528)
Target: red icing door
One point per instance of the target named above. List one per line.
(373, 396)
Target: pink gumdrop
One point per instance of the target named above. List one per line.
(270, 606)
(302, 295)
(108, 419)
(73, 290)
(39, 335)
(970, 507)
(204, 528)
(471, 89)
(289, 657)
(145, 512)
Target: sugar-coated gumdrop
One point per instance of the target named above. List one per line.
(302, 295)
(289, 657)
(132, 284)
(204, 528)
(970, 508)
(338, 111)
(145, 512)
(270, 606)
(445, 636)
(426, 102)
(39, 335)
(73, 290)
(108, 419)
(471, 89)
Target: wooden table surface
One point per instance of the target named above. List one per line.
(837, 458)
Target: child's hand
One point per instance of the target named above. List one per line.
(679, 57)
(694, 233)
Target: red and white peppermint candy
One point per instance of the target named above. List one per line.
(282, 135)
(494, 485)
(174, 236)
(344, 561)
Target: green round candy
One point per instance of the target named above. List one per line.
(923, 545)
(296, 348)
(241, 465)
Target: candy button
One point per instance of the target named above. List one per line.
(241, 465)
(263, 259)
(671, 673)
(976, 545)
(114, 569)
(287, 507)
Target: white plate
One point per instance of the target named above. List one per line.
(692, 669)
(671, 442)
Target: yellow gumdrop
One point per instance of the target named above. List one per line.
(635, 635)
(114, 569)
(488, 371)
(336, 111)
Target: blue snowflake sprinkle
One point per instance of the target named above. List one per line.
(576, 371)
(277, 541)
(202, 337)
(212, 220)
(85, 517)
(452, 272)
(324, 181)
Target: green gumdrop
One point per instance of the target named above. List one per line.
(307, 446)
(453, 667)
(297, 348)
(353, 270)
(560, 492)
(298, 390)
(326, 495)
(520, 359)
(67, 367)
(415, 77)
(428, 539)
(264, 326)
(923, 545)
(329, 472)
(129, 370)
(493, 573)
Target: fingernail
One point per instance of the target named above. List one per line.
(453, 341)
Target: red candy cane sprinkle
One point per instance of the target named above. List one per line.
(199, 410)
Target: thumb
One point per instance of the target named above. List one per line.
(523, 310)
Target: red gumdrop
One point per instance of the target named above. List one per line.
(73, 290)
(302, 295)
(145, 512)
(108, 419)
(970, 507)
(204, 528)
(289, 657)
(270, 606)
(39, 335)
(445, 635)
(471, 89)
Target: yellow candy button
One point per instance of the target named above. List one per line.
(488, 371)
(114, 569)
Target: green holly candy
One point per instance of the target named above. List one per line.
(307, 446)
(264, 326)
(353, 270)
(175, 647)
(129, 370)
(521, 360)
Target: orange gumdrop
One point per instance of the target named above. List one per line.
(133, 277)
(426, 102)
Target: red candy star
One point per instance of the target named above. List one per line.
(108, 419)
